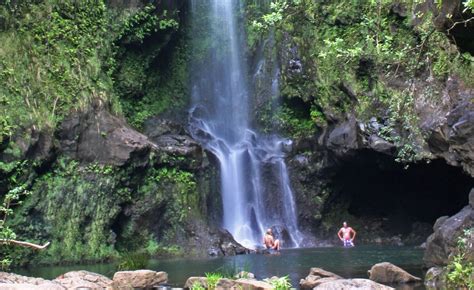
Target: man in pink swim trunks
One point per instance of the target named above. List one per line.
(346, 235)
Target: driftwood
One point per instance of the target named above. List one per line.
(24, 244)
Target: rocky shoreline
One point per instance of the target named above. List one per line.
(380, 274)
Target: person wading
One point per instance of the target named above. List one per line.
(346, 235)
(270, 243)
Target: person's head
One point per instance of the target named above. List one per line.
(344, 224)
(269, 231)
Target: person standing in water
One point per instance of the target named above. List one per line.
(270, 242)
(346, 235)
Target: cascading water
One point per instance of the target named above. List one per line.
(219, 119)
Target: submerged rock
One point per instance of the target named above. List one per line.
(434, 278)
(84, 279)
(139, 279)
(389, 273)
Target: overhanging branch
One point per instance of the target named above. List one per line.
(24, 244)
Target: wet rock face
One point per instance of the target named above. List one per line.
(98, 136)
(224, 244)
(172, 139)
(451, 129)
(443, 242)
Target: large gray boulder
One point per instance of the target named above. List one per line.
(84, 279)
(389, 273)
(443, 242)
(139, 279)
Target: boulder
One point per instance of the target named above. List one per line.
(14, 281)
(195, 280)
(139, 279)
(338, 284)
(312, 281)
(323, 273)
(84, 279)
(443, 242)
(389, 273)
(227, 245)
(317, 276)
(252, 284)
(225, 283)
(25, 286)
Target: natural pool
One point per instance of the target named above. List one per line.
(349, 263)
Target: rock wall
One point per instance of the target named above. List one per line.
(339, 114)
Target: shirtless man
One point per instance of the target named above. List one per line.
(269, 242)
(344, 235)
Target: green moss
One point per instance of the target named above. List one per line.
(56, 59)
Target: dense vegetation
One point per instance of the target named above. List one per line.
(62, 56)
(368, 58)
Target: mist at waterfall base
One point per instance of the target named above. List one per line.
(220, 120)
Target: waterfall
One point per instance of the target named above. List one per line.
(220, 119)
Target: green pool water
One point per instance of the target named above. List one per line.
(348, 263)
